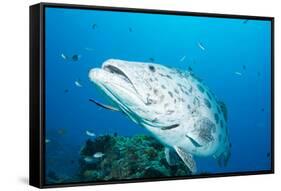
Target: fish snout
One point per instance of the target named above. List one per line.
(95, 74)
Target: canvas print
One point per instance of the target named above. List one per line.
(133, 96)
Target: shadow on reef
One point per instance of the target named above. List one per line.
(117, 157)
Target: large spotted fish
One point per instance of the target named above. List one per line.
(176, 107)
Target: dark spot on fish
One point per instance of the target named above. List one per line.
(188, 106)
(205, 127)
(209, 96)
(221, 123)
(182, 100)
(148, 101)
(190, 89)
(168, 76)
(223, 109)
(207, 103)
(162, 86)
(218, 108)
(154, 120)
(150, 79)
(151, 68)
(170, 93)
(182, 90)
(179, 84)
(200, 88)
(196, 101)
(175, 101)
(177, 92)
(75, 57)
(185, 92)
(155, 91)
(216, 118)
(199, 79)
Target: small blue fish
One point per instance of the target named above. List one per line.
(238, 73)
(90, 134)
(182, 59)
(98, 155)
(77, 83)
(64, 56)
(89, 160)
(201, 46)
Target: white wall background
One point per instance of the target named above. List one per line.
(14, 38)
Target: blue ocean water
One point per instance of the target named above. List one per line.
(232, 56)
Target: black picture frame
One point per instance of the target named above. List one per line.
(37, 92)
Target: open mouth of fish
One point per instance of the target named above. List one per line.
(120, 74)
(118, 78)
(117, 72)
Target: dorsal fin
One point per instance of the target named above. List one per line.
(223, 109)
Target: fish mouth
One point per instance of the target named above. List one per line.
(115, 79)
(117, 72)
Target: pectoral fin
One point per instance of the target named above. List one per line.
(171, 156)
(170, 127)
(103, 105)
(195, 143)
(187, 158)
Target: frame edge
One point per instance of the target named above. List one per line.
(35, 139)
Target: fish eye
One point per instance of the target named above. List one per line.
(151, 68)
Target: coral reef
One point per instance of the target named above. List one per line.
(125, 158)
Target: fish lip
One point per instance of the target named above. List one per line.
(117, 71)
(95, 75)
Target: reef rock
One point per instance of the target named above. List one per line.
(134, 157)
